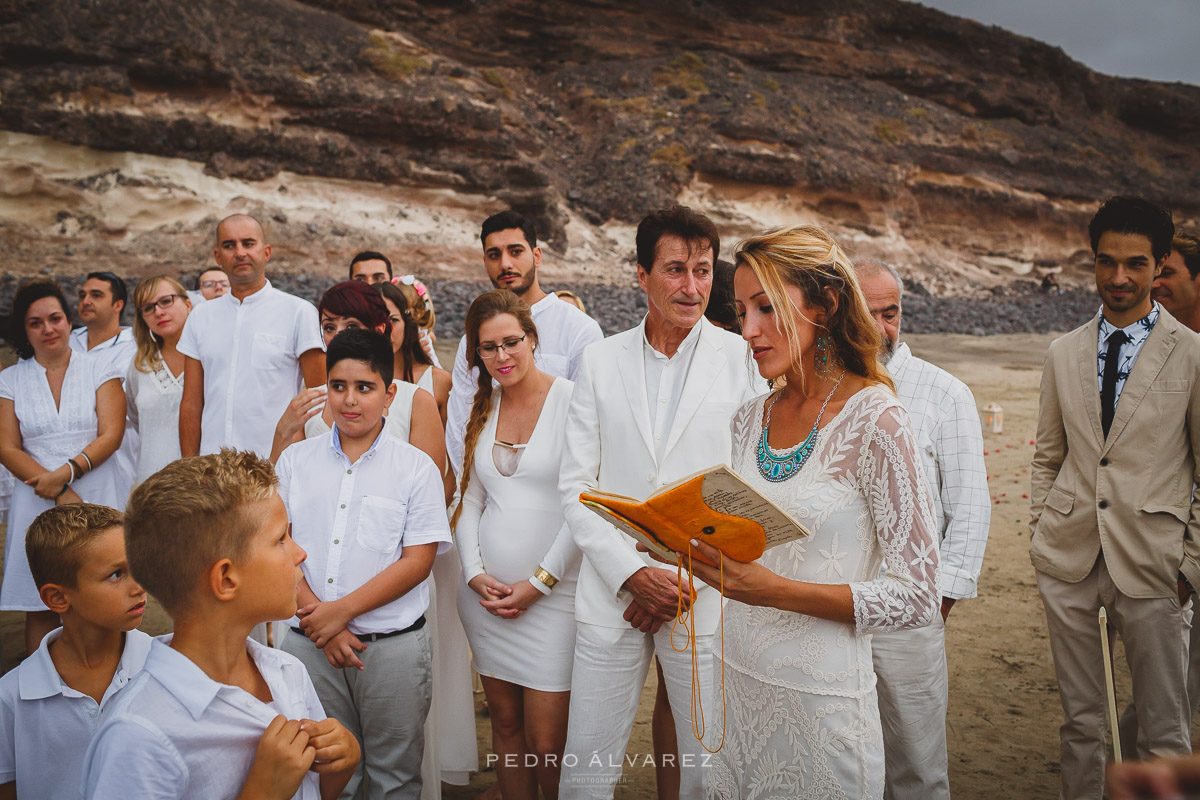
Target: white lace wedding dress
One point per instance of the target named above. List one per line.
(802, 718)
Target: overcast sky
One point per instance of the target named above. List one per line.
(1156, 39)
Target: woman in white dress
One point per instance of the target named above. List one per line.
(519, 560)
(409, 311)
(154, 385)
(835, 449)
(62, 415)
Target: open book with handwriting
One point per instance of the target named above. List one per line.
(715, 506)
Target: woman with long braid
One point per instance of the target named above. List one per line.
(519, 560)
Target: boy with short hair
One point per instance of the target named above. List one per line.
(50, 704)
(370, 510)
(215, 715)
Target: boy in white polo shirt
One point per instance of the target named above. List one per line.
(215, 715)
(370, 511)
(51, 703)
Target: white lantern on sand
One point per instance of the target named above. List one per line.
(993, 417)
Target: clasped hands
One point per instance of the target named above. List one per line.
(502, 600)
(52, 485)
(289, 749)
(325, 625)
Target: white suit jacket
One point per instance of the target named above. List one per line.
(609, 445)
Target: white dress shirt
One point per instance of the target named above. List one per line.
(563, 333)
(355, 519)
(45, 725)
(118, 350)
(664, 385)
(176, 733)
(950, 440)
(250, 351)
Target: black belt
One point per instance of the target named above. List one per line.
(375, 637)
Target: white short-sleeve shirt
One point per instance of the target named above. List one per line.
(250, 351)
(354, 520)
(563, 333)
(176, 733)
(45, 725)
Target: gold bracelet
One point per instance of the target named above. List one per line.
(545, 577)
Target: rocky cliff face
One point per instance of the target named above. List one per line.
(964, 153)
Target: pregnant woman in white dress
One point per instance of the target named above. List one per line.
(835, 449)
(62, 415)
(519, 560)
(154, 385)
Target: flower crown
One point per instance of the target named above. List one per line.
(422, 292)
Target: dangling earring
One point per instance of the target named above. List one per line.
(824, 358)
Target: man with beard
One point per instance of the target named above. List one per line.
(1177, 287)
(511, 258)
(1113, 512)
(102, 298)
(911, 664)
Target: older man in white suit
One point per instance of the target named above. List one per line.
(651, 405)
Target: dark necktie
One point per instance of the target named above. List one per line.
(1108, 394)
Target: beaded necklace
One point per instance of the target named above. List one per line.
(778, 468)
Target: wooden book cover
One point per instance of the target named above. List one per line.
(715, 506)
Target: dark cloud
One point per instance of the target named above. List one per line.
(1156, 39)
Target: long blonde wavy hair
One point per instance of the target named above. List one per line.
(486, 306)
(149, 344)
(808, 258)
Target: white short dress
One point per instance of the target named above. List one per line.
(511, 525)
(50, 436)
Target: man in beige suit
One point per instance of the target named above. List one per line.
(1114, 521)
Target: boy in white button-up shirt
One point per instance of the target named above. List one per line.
(51, 703)
(370, 511)
(215, 715)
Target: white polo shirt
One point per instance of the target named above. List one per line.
(250, 351)
(45, 725)
(354, 520)
(563, 333)
(176, 733)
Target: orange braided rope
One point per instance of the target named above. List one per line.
(687, 618)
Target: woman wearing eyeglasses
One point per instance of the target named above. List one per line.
(154, 385)
(519, 561)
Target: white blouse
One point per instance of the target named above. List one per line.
(153, 407)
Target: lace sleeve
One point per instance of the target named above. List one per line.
(891, 478)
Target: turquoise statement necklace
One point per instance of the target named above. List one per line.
(777, 468)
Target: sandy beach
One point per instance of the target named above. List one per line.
(1004, 711)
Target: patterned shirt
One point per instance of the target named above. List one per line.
(949, 437)
(1137, 333)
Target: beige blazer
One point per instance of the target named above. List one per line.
(1131, 495)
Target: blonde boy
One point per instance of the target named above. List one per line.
(215, 715)
(51, 703)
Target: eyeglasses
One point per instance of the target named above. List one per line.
(164, 302)
(213, 284)
(490, 351)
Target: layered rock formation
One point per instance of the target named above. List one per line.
(964, 153)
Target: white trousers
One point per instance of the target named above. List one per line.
(1155, 635)
(913, 687)
(606, 684)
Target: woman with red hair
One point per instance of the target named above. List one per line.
(413, 416)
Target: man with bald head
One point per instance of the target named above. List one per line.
(248, 352)
(911, 665)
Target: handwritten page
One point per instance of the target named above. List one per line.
(726, 493)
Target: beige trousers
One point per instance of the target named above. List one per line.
(1155, 635)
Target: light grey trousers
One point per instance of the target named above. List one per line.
(912, 685)
(384, 705)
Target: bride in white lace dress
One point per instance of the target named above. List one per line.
(835, 449)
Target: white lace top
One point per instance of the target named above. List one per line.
(153, 399)
(863, 495)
